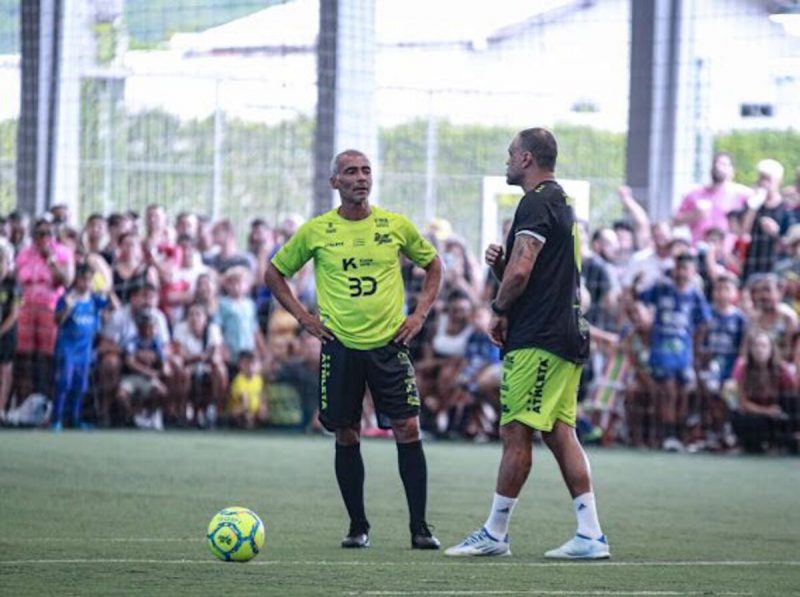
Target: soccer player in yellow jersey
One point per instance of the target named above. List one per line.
(356, 250)
(545, 341)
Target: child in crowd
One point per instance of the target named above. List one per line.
(238, 318)
(247, 406)
(144, 368)
(78, 315)
(10, 294)
(765, 384)
(201, 373)
(681, 311)
(718, 353)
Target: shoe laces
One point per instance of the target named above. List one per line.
(424, 530)
(476, 537)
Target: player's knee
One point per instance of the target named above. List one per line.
(406, 430)
(559, 436)
(348, 436)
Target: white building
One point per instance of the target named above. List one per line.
(486, 62)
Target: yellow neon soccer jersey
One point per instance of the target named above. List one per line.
(357, 270)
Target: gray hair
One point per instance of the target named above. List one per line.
(335, 161)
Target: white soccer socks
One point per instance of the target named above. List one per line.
(586, 513)
(500, 515)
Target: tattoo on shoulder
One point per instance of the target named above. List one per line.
(526, 248)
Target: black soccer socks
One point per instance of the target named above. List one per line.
(414, 473)
(350, 476)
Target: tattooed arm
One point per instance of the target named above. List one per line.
(518, 270)
(515, 279)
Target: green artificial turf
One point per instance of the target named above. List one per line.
(107, 513)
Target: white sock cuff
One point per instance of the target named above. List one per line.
(501, 501)
(584, 498)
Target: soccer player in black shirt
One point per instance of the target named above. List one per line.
(545, 340)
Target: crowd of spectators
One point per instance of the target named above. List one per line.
(695, 321)
(141, 321)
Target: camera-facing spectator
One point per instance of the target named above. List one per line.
(43, 269)
(228, 256)
(247, 406)
(142, 391)
(177, 292)
(708, 206)
(117, 225)
(78, 315)
(187, 224)
(130, 269)
(770, 313)
(201, 375)
(765, 385)
(767, 218)
(680, 313)
(651, 264)
(117, 330)
(718, 351)
(237, 315)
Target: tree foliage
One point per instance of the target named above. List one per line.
(749, 147)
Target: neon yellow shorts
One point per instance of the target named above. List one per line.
(538, 389)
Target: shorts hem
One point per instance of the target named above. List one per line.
(538, 427)
(523, 421)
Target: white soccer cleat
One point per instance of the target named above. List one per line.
(480, 543)
(581, 547)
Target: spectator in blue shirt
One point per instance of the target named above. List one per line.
(78, 315)
(720, 349)
(142, 391)
(681, 311)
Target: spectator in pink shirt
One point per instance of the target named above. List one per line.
(708, 206)
(43, 269)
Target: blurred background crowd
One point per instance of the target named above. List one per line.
(155, 320)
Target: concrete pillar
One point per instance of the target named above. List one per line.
(36, 132)
(346, 90)
(664, 138)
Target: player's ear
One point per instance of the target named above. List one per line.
(334, 180)
(527, 158)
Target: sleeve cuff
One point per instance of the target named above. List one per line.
(535, 235)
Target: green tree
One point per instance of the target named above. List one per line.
(749, 147)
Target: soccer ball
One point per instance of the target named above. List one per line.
(235, 534)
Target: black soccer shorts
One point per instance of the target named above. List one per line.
(344, 373)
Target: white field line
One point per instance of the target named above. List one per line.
(543, 592)
(438, 562)
(104, 540)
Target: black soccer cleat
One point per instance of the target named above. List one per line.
(422, 538)
(357, 537)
